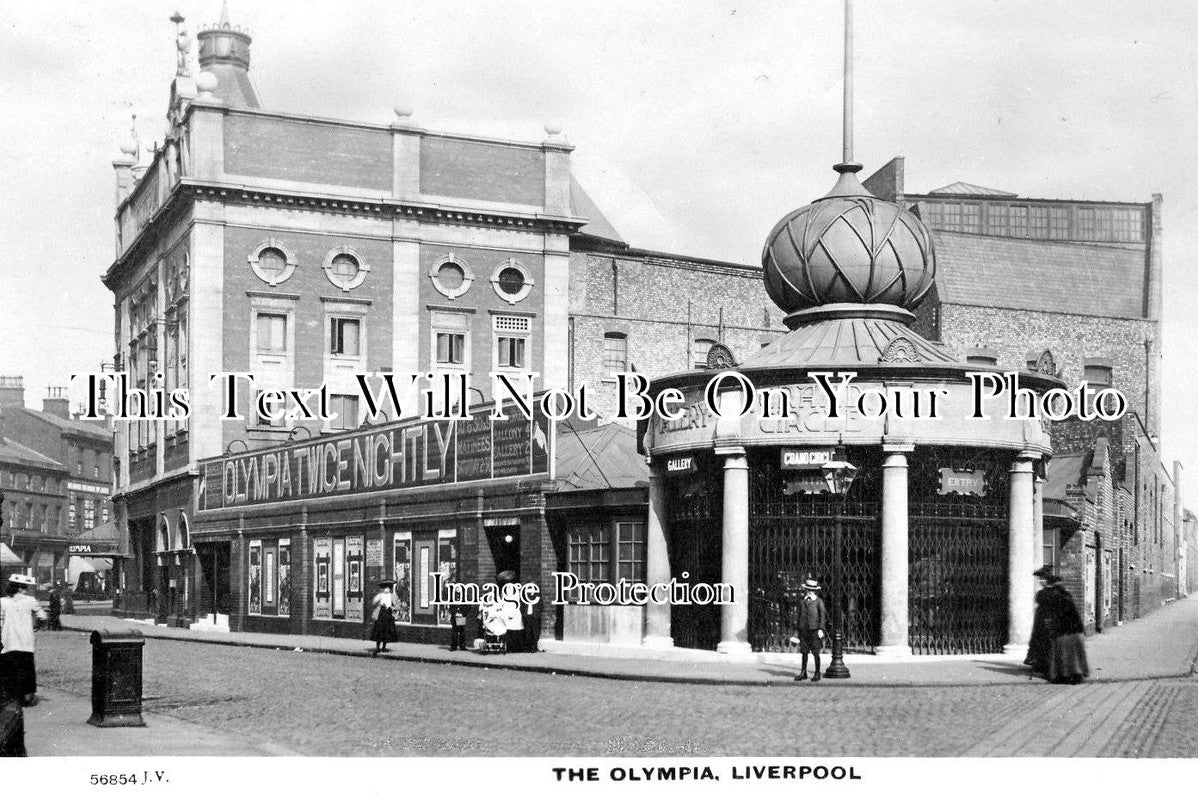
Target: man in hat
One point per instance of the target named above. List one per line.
(813, 618)
(17, 610)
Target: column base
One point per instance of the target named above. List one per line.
(893, 651)
(1014, 650)
(736, 651)
(658, 643)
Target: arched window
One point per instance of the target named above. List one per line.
(182, 534)
(164, 537)
(699, 351)
(615, 351)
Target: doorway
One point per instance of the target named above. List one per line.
(505, 549)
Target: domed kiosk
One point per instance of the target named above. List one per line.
(930, 548)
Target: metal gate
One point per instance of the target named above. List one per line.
(695, 510)
(793, 535)
(957, 555)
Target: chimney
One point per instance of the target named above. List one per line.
(12, 391)
(981, 355)
(57, 402)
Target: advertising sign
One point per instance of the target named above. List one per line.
(380, 458)
(805, 457)
(962, 481)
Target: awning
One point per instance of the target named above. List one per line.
(81, 565)
(9, 559)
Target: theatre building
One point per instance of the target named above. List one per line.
(931, 548)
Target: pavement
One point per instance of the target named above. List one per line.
(1162, 644)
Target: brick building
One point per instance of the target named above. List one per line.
(67, 494)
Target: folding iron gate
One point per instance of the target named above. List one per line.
(694, 508)
(957, 586)
(793, 535)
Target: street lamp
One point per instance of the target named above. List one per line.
(839, 474)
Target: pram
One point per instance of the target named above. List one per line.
(494, 630)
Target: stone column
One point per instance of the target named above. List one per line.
(657, 563)
(1020, 564)
(1038, 520)
(894, 640)
(734, 617)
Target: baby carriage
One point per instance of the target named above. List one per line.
(494, 629)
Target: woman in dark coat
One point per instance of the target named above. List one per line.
(1065, 659)
(1039, 647)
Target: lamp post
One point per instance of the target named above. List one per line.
(839, 474)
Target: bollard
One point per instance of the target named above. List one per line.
(116, 679)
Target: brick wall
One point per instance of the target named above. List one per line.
(482, 170)
(308, 152)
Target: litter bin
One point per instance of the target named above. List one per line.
(116, 679)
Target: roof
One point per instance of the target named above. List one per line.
(598, 458)
(960, 187)
(597, 225)
(1063, 277)
(13, 453)
(94, 429)
(1065, 470)
(845, 343)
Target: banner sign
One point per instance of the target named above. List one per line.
(968, 481)
(805, 457)
(380, 458)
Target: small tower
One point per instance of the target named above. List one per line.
(225, 54)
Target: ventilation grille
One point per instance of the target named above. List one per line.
(508, 324)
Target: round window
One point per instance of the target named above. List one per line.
(345, 267)
(451, 276)
(272, 262)
(511, 281)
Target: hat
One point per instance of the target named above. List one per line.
(1046, 572)
(507, 576)
(23, 580)
(810, 585)
(386, 584)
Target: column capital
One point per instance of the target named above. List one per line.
(729, 451)
(1029, 455)
(898, 447)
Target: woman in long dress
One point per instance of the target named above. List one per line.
(383, 630)
(1064, 630)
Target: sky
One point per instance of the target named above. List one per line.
(697, 124)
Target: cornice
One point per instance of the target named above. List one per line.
(190, 189)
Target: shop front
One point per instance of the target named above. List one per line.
(295, 539)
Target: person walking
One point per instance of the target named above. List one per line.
(812, 621)
(17, 610)
(383, 630)
(1065, 660)
(56, 607)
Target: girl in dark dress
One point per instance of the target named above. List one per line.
(383, 630)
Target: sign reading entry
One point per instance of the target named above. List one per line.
(962, 481)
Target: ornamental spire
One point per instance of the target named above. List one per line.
(847, 153)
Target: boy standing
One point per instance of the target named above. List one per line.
(813, 618)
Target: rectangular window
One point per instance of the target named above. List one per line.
(402, 575)
(1038, 222)
(43, 522)
(272, 333)
(1086, 223)
(89, 514)
(510, 352)
(998, 220)
(952, 217)
(588, 553)
(934, 214)
(447, 565)
(630, 547)
(104, 513)
(1097, 374)
(971, 218)
(344, 336)
(451, 348)
(338, 577)
(345, 406)
(615, 352)
(1128, 225)
(268, 570)
(1018, 221)
(1058, 223)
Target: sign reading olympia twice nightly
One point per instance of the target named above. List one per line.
(394, 455)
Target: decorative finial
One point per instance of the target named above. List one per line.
(403, 110)
(132, 148)
(182, 45)
(847, 164)
(224, 14)
(206, 83)
(553, 128)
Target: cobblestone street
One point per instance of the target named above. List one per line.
(329, 704)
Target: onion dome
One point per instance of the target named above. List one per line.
(848, 247)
